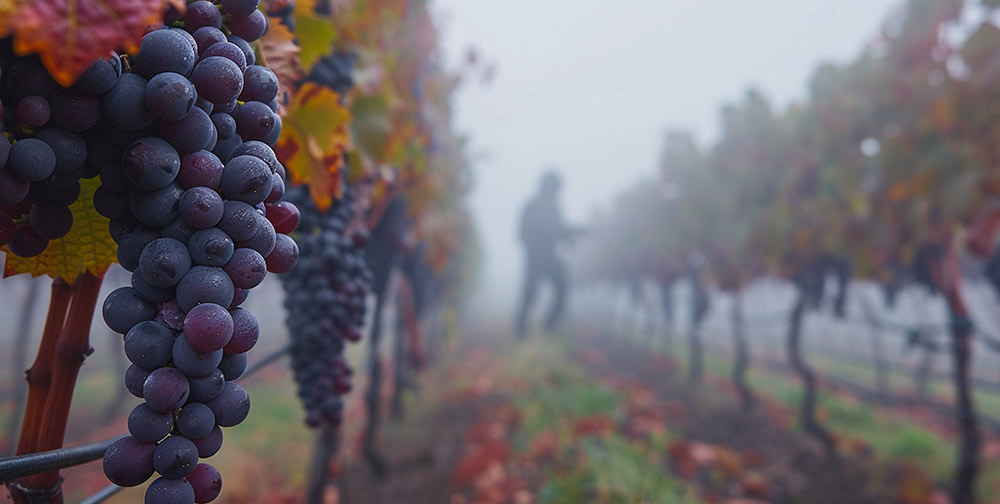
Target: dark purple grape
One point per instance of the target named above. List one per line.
(275, 134)
(195, 420)
(204, 284)
(239, 220)
(70, 150)
(263, 240)
(224, 123)
(277, 189)
(249, 28)
(191, 362)
(74, 110)
(239, 297)
(100, 76)
(207, 36)
(175, 457)
(233, 365)
(200, 168)
(157, 207)
(31, 159)
(135, 378)
(284, 256)
(147, 425)
(125, 307)
(63, 195)
(149, 344)
(284, 215)
(259, 84)
(247, 268)
(229, 51)
(170, 96)
(240, 8)
(34, 111)
(151, 163)
(225, 146)
(13, 189)
(206, 482)
(201, 13)
(169, 491)
(190, 134)
(246, 179)
(166, 389)
(124, 106)
(27, 76)
(179, 231)
(164, 262)
(129, 462)
(217, 79)
(210, 444)
(227, 107)
(192, 43)
(164, 51)
(232, 406)
(206, 388)
(151, 293)
(254, 120)
(111, 204)
(245, 331)
(201, 207)
(7, 228)
(113, 178)
(208, 327)
(211, 247)
(50, 221)
(245, 46)
(134, 239)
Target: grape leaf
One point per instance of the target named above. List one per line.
(281, 55)
(313, 139)
(69, 35)
(315, 33)
(87, 248)
(372, 127)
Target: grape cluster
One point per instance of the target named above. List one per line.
(46, 148)
(326, 296)
(336, 71)
(193, 192)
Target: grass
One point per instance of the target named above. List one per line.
(891, 437)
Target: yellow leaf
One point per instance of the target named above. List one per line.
(87, 248)
(315, 33)
(313, 139)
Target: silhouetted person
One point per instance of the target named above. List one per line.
(542, 229)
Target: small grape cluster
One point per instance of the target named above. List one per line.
(193, 195)
(336, 71)
(326, 296)
(53, 133)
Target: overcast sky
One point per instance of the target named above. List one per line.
(589, 87)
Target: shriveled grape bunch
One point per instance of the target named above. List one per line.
(180, 134)
(325, 297)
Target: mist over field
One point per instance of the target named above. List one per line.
(537, 252)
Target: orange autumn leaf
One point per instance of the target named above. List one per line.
(281, 55)
(69, 35)
(313, 139)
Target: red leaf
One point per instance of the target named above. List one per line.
(69, 35)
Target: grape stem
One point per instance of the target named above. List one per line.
(23, 337)
(39, 375)
(52, 379)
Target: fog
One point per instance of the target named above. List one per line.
(589, 87)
